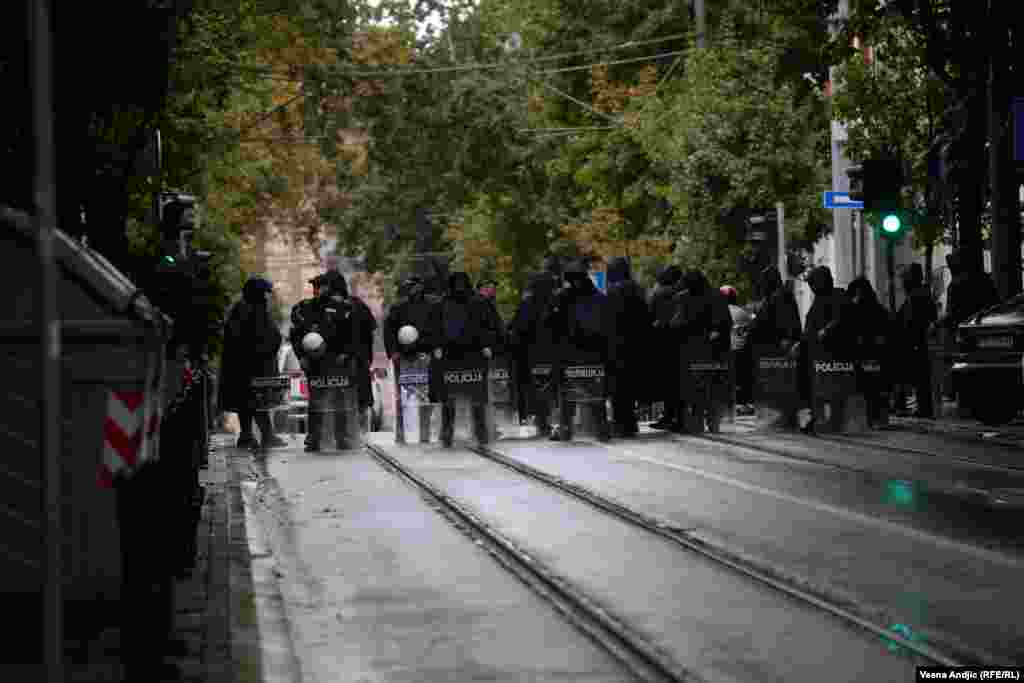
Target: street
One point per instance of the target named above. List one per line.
(764, 557)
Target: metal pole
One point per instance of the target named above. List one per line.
(44, 190)
(890, 257)
(698, 10)
(780, 212)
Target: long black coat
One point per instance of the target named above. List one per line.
(630, 334)
(531, 336)
(251, 342)
(581, 321)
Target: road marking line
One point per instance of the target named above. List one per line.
(916, 534)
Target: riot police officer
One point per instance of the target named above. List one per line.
(467, 332)
(339, 320)
(415, 309)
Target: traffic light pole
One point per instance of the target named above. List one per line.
(890, 258)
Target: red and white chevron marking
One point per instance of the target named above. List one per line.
(122, 434)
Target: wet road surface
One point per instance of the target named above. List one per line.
(858, 531)
(714, 622)
(380, 588)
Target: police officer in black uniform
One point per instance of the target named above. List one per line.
(467, 331)
(414, 308)
(338, 319)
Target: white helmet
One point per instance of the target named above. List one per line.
(407, 334)
(313, 343)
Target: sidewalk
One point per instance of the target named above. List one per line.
(207, 603)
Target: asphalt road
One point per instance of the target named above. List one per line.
(380, 586)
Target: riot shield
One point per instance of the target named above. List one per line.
(584, 389)
(501, 394)
(833, 385)
(269, 395)
(872, 384)
(465, 386)
(776, 391)
(335, 414)
(706, 384)
(417, 417)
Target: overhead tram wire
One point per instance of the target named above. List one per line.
(484, 66)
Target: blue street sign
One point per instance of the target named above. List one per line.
(599, 279)
(841, 200)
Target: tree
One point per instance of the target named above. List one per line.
(892, 105)
(734, 145)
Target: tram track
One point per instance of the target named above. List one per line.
(985, 496)
(645, 661)
(682, 538)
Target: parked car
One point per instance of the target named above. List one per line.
(988, 371)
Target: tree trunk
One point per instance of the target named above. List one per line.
(1006, 266)
(971, 182)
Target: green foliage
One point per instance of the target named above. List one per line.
(892, 107)
(733, 145)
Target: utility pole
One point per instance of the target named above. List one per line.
(47, 317)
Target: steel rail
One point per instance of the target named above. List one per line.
(681, 537)
(1010, 469)
(644, 660)
(848, 441)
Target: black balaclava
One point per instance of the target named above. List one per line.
(576, 275)
(459, 286)
(415, 289)
(820, 281)
(695, 283)
(861, 291)
(670, 276)
(256, 291)
(332, 283)
(618, 270)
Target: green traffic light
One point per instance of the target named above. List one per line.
(169, 259)
(891, 224)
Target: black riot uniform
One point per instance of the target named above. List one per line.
(533, 342)
(467, 332)
(701, 315)
(341, 321)
(582, 323)
(416, 309)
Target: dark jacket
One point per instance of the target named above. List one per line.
(345, 323)
(917, 313)
(531, 335)
(825, 328)
(251, 342)
(467, 325)
(777, 315)
(873, 328)
(580, 316)
(424, 314)
(630, 326)
(700, 311)
(660, 304)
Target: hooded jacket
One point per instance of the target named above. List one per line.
(530, 333)
(420, 312)
(251, 342)
(700, 310)
(871, 323)
(918, 311)
(829, 314)
(467, 324)
(580, 316)
(630, 322)
(777, 315)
